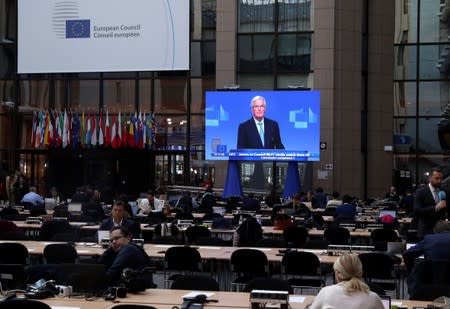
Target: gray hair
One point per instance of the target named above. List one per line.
(258, 97)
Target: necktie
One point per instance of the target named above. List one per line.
(261, 132)
(436, 196)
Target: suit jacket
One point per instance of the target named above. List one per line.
(248, 135)
(130, 256)
(432, 247)
(132, 226)
(424, 210)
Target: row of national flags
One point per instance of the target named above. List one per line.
(53, 129)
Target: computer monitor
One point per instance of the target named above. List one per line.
(84, 278)
(74, 207)
(12, 276)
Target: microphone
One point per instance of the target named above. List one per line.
(442, 195)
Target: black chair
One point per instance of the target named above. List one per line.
(295, 236)
(247, 264)
(201, 283)
(379, 268)
(23, 303)
(195, 231)
(179, 261)
(337, 235)
(429, 280)
(169, 240)
(60, 253)
(13, 253)
(12, 276)
(51, 228)
(380, 238)
(273, 284)
(302, 270)
(271, 243)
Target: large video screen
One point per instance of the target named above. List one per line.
(57, 36)
(262, 125)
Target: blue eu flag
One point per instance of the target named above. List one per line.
(78, 28)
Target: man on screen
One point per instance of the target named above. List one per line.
(259, 132)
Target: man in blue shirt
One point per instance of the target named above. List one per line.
(33, 198)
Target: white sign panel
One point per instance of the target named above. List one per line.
(102, 35)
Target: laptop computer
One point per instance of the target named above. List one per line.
(49, 203)
(74, 208)
(392, 213)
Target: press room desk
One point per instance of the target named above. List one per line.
(157, 251)
(166, 298)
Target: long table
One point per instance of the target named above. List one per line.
(166, 298)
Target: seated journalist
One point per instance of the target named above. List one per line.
(350, 292)
(122, 254)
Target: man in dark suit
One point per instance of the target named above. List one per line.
(429, 204)
(118, 218)
(259, 132)
(122, 254)
(433, 247)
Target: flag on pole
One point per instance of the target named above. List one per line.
(101, 138)
(94, 140)
(107, 131)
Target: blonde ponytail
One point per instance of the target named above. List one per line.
(349, 271)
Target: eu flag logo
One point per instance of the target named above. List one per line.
(79, 28)
(221, 148)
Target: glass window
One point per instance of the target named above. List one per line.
(256, 53)
(171, 132)
(256, 81)
(34, 93)
(405, 99)
(119, 95)
(7, 90)
(434, 62)
(84, 95)
(60, 94)
(431, 27)
(428, 135)
(294, 15)
(145, 95)
(404, 134)
(405, 62)
(294, 52)
(197, 132)
(406, 22)
(433, 98)
(203, 58)
(198, 88)
(256, 16)
(170, 95)
(7, 60)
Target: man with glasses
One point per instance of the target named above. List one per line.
(121, 254)
(119, 218)
(259, 132)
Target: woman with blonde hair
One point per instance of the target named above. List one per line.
(350, 291)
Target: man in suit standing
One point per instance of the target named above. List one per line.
(118, 218)
(259, 132)
(430, 204)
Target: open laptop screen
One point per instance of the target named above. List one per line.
(392, 213)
